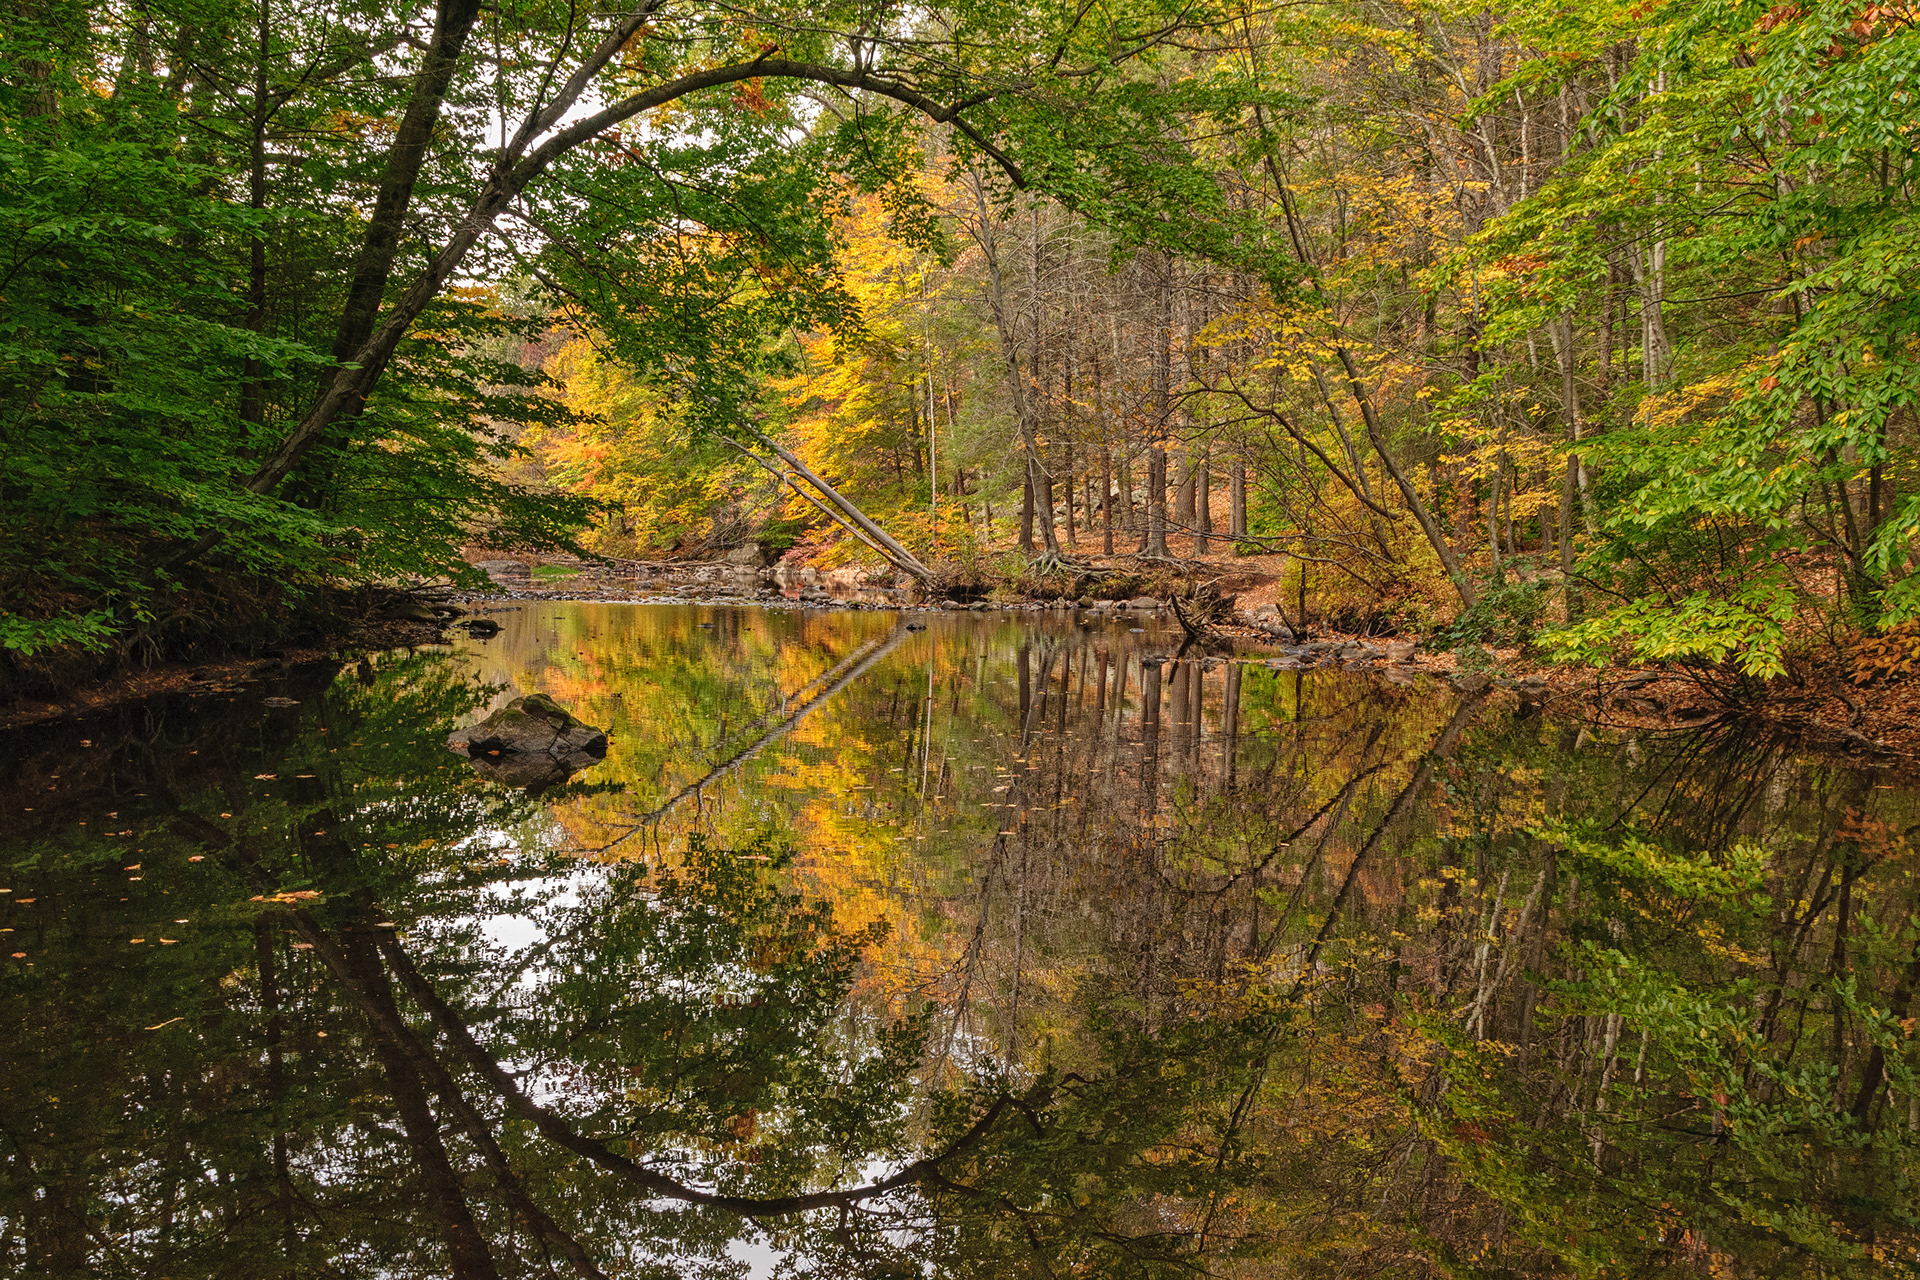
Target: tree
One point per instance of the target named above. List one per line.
(1744, 183)
(646, 165)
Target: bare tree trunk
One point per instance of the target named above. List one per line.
(1066, 441)
(1162, 406)
(1022, 386)
(1030, 423)
(1106, 500)
(902, 557)
(1066, 458)
(1203, 502)
(832, 513)
(1156, 501)
(1237, 508)
(1026, 510)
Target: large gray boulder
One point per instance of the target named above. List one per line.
(532, 742)
(506, 573)
(1268, 618)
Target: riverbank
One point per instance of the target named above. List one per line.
(222, 675)
(1245, 626)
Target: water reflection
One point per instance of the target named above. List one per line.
(1006, 947)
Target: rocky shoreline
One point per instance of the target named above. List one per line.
(1643, 700)
(1259, 635)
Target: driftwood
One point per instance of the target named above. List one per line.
(896, 554)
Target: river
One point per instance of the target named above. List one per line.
(887, 944)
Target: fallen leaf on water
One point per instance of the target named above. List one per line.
(136, 939)
(168, 941)
(134, 867)
(180, 922)
(24, 901)
(265, 777)
(226, 815)
(198, 857)
(19, 955)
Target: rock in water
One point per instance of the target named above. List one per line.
(532, 742)
(408, 610)
(528, 726)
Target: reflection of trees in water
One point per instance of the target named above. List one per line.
(1536, 992)
(1257, 974)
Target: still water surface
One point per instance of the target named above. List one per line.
(1006, 945)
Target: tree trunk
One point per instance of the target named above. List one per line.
(1573, 484)
(1237, 502)
(1162, 411)
(1026, 509)
(1031, 420)
(1106, 500)
(1203, 503)
(901, 556)
(1156, 501)
(1066, 451)
(1456, 572)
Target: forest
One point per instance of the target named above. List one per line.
(1589, 328)
(900, 941)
